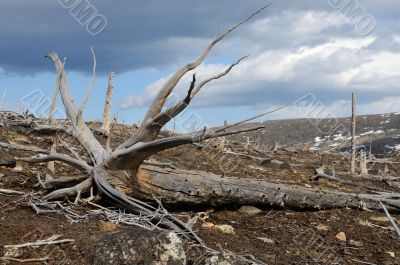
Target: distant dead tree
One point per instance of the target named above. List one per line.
(353, 134)
(363, 164)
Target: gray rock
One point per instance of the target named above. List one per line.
(137, 246)
(266, 240)
(7, 160)
(273, 163)
(249, 210)
(225, 259)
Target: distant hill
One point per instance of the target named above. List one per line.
(382, 129)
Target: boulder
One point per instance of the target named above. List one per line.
(137, 246)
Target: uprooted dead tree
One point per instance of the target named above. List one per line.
(123, 178)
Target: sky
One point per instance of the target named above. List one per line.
(309, 54)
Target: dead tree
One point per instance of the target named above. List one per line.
(363, 164)
(122, 178)
(107, 112)
(107, 107)
(353, 134)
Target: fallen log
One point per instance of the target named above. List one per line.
(177, 186)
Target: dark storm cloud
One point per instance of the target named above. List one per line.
(138, 33)
(304, 46)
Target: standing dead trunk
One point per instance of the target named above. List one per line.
(107, 107)
(221, 145)
(353, 135)
(363, 164)
(107, 113)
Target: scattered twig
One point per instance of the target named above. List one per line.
(44, 242)
(24, 260)
(11, 192)
(392, 221)
(42, 207)
(244, 155)
(363, 262)
(154, 163)
(141, 220)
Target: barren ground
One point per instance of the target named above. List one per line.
(296, 237)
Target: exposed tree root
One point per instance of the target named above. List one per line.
(73, 191)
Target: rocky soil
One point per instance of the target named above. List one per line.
(240, 234)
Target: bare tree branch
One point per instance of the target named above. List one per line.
(70, 148)
(133, 157)
(164, 117)
(249, 119)
(69, 192)
(153, 126)
(82, 133)
(200, 86)
(61, 182)
(53, 103)
(79, 164)
(51, 166)
(88, 90)
(169, 86)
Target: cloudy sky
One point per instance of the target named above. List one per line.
(297, 50)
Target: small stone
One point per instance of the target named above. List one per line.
(322, 227)
(107, 226)
(379, 218)
(356, 243)
(307, 186)
(266, 240)
(12, 252)
(249, 210)
(17, 169)
(226, 229)
(392, 254)
(341, 236)
(207, 225)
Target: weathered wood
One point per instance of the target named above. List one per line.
(105, 128)
(80, 131)
(53, 103)
(131, 158)
(162, 96)
(23, 148)
(173, 186)
(88, 90)
(353, 134)
(79, 164)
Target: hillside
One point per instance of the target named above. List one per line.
(382, 129)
